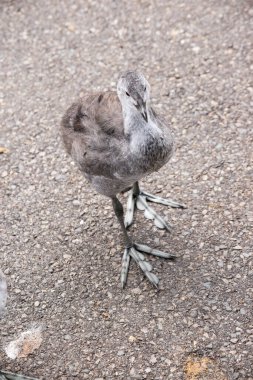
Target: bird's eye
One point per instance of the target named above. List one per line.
(127, 94)
(145, 88)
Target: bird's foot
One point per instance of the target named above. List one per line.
(135, 251)
(140, 201)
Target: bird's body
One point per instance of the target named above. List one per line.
(116, 139)
(113, 153)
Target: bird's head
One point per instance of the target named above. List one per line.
(133, 92)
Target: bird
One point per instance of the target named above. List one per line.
(116, 138)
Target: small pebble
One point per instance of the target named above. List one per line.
(132, 339)
(153, 359)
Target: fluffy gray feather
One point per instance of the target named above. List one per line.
(115, 137)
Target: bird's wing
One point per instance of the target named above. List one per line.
(93, 133)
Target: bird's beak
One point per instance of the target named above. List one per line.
(143, 109)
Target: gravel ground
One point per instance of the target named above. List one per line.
(61, 245)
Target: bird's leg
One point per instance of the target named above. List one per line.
(138, 198)
(119, 212)
(135, 250)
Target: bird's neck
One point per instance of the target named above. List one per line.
(144, 136)
(133, 121)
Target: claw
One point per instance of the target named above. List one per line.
(166, 202)
(151, 214)
(13, 376)
(141, 202)
(154, 252)
(136, 253)
(152, 278)
(145, 266)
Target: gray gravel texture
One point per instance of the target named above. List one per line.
(61, 245)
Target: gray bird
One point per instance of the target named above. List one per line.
(116, 139)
